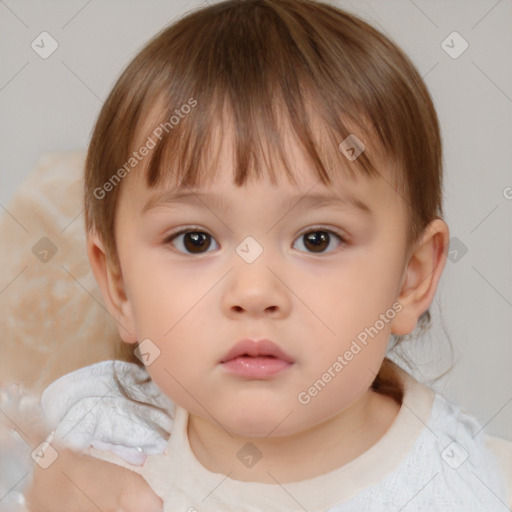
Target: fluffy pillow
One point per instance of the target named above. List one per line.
(54, 319)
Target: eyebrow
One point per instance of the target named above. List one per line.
(313, 200)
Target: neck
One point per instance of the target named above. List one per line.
(301, 456)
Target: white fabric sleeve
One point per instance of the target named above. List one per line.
(86, 408)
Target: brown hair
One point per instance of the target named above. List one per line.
(259, 61)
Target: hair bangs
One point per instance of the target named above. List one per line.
(263, 135)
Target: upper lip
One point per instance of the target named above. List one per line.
(255, 348)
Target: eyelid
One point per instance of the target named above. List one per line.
(184, 229)
(337, 231)
(325, 227)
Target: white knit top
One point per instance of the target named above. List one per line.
(434, 456)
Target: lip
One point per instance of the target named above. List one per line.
(256, 359)
(257, 348)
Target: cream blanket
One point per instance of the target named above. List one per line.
(54, 319)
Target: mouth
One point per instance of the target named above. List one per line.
(257, 349)
(256, 359)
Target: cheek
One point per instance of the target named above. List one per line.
(355, 304)
(334, 379)
(184, 360)
(170, 306)
(161, 294)
(352, 293)
(378, 273)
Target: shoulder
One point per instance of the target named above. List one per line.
(113, 406)
(470, 455)
(502, 452)
(444, 459)
(453, 458)
(468, 440)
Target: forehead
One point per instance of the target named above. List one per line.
(362, 199)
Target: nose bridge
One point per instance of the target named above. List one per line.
(254, 286)
(252, 262)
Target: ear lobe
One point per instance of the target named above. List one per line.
(111, 283)
(424, 269)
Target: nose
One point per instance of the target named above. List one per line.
(256, 290)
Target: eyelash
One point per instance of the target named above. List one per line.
(196, 229)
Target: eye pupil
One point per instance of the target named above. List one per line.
(197, 240)
(319, 240)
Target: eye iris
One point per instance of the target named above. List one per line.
(197, 240)
(319, 240)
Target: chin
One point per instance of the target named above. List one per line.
(257, 421)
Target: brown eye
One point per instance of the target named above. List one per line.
(196, 241)
(319, 240)
(191, 242)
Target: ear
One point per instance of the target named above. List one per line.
(425, 265)
(110, 281)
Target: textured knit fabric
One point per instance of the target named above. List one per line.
(433, 457)
(86, 409)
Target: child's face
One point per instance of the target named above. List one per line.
(196, 297)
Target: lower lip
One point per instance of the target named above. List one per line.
(256, 367)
